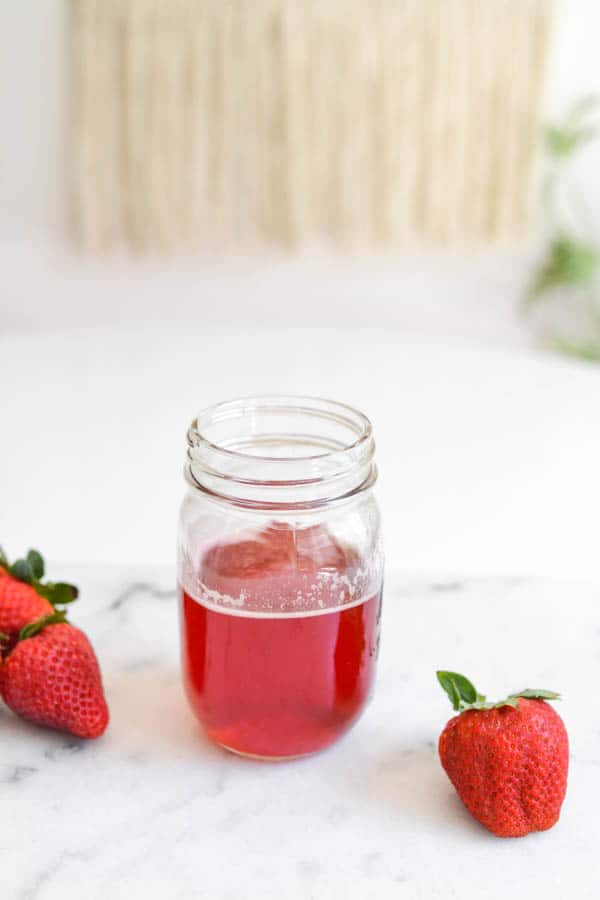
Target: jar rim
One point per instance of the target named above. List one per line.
(233, 466)
(226, 409)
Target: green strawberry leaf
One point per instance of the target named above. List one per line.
(459, 689)
(535, 694)
(510, 701)
(450, 688)
(29, 631)
(22, 571)
(59, 593)
(63, 593)
(463, 695)
(31, 570)
(36, 561)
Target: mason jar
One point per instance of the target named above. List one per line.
(280, 569)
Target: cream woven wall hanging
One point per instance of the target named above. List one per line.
(373, 122)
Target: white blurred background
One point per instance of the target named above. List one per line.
(488, 448)
(47, 285)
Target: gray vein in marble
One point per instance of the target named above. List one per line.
(48, 873)
(447, 586)
(16, 774)
(139, 665)
(370, 862)
(178, 818)
(145, 589)
(457, 585)
(64, 750)
(309, 868)
(337, 814)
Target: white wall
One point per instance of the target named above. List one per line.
(46, 284)
(575, 64)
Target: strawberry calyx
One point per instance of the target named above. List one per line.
(34, 628)
(30, 570)
(463, 694)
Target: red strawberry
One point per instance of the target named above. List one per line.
(52, 678)
(20, 605)
(508, 761)
(24, 598)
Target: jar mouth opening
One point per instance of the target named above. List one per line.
(219, 429)
(281, 452)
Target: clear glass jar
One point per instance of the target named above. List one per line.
(280, 568)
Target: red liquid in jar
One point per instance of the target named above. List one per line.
(283, 675)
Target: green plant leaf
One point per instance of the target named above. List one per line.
(587, 104)
(564, 142)
(565, 138)
(450, 688)
(586, 350)
(559, 141)
(459, 689)
(33, 628)
(63, 593)
(463, 695)
(59, 593)
(36, 561)
(569, 263)
(535, 694)
(31, 570)
(510, 701)
(22, 571)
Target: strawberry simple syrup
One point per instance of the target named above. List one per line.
(284, 663)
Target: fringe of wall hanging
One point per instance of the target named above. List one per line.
(369, 122)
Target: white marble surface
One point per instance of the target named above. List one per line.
(152, 810)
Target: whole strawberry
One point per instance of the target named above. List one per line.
(509, 760)
(52, 677)
(24, 597)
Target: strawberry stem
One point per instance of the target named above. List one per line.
(29, 631)
(464, 696)
(31, 570)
